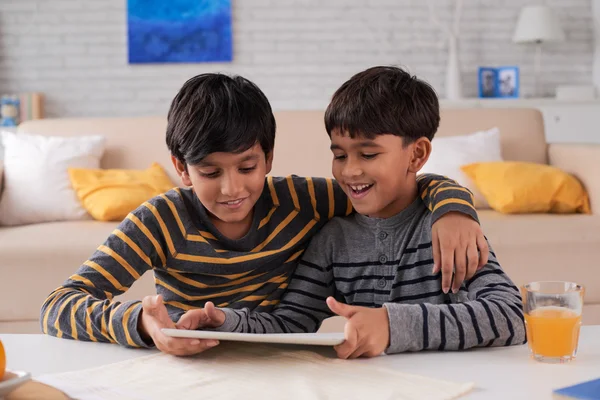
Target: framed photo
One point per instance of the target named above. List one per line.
(487, 82)
(508, 82)
(499, 82)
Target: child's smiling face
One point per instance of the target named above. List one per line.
(228, 185)
(379, 174)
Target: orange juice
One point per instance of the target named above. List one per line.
(553, 331)
(2, 361)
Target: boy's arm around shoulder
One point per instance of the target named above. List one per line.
(303, 306)
(491, 315)
(83, 309)
(459, 246)
(442, 195)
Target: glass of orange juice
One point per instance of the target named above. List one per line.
(553, 318)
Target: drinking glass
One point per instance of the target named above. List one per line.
(552, 318)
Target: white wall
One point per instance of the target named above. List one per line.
(596, 24)
(297, 51)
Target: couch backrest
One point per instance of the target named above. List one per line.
(521, 130)
(131, 143)
(301, 146)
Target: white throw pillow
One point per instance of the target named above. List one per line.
(450, 153)
(36, 182)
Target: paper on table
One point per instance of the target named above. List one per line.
(235, 370)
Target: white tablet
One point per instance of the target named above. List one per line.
(315, 339)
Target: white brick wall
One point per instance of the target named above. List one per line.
(297, 51)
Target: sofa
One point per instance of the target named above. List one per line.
(35, 259)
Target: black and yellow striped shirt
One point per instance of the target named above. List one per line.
(192, 262)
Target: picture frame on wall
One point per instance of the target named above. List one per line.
(499, 82)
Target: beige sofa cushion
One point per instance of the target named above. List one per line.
(521, 130)
(60, 248)
(547, 247)
(1, 177)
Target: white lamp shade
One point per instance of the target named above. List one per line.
(538, 24)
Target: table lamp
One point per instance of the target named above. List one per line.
(538, 24)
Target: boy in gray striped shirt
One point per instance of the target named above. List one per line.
(375, 267)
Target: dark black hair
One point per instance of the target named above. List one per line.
(218, 113)
(384, 100)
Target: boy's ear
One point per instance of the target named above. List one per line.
(421, 149)
(269, 161)
(181, 171)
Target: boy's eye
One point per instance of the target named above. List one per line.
(209, 174)
(339, 157)
(247, 170)
(370, 156)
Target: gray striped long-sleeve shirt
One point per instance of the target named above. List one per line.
(388, 262)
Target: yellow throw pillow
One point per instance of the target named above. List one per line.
(520, 187)
(111, 194)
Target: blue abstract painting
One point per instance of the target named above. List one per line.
(179, 31)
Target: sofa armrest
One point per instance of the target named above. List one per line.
(583, 161)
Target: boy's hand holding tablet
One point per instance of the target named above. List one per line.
(207, 317)
(154, 317)
(366, 331)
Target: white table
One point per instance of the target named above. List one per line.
(499, 373)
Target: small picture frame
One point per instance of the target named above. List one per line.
(499, 82)
(487, 82)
